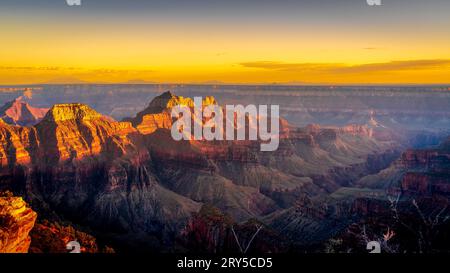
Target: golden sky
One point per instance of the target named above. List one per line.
(334, 48)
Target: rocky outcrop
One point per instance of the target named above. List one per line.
(67, 132)
(16, 222)
(152, 122)
(157, 115)
(422, 172)
(17, 144)
(418, 158)
(19, 112)
(52, 237)
(76, 131)
(131, 180)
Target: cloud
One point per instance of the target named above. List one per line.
(280, 66)
(342, 68)
(37, 68)
(74, 69)
(395, 66)
(111, 72)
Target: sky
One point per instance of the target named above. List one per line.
(232, 41)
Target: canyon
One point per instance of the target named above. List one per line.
(16, 221)
(129, 183)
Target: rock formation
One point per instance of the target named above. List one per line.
(16, 144)
(75, 131)
(157, 115)
(131, 178)
(16, 222)
(19, 112)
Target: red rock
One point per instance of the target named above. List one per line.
(18, 112)
(16, 221)
(76, 131)
(15, 144)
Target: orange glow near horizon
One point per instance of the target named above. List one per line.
(199, 53)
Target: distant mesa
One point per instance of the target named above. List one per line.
(212, 82)
(71, 111)
(139, 81)
(19, 112)
(66, 80)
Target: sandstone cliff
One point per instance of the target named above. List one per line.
(75, 131)
(131, 180)
(19, 112)
(157, 115)
(16, 144)
(16, 221)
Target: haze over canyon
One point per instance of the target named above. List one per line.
(97, 163)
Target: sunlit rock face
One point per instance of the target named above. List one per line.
(16, 221)
(152, 122)
(16, 144)
(19, 112)
(75, 131)
(72, 111)
(157, 115)
(130, 178)
(67, 132)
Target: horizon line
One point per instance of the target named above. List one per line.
(230, 84)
